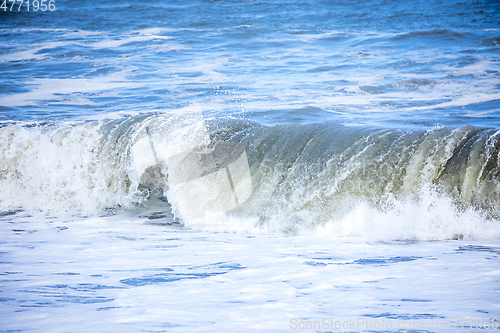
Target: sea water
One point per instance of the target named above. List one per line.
(371, 131)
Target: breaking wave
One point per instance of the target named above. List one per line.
(327, 179)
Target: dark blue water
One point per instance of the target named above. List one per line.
(389, 63)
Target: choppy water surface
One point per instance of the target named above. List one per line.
(372, 132)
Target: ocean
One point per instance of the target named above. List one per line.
(250, 166)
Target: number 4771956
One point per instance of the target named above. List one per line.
(33, 5)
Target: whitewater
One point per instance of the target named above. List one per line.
(271, 166)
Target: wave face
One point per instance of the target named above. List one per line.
(314, 178)
(351, 181)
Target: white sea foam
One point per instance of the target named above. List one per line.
(47, 89)
(112, 43)
(68, 168)
(31, 53)
(123, 273)
(432, 217)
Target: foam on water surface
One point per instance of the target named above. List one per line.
(371, 135)
(93, 272)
